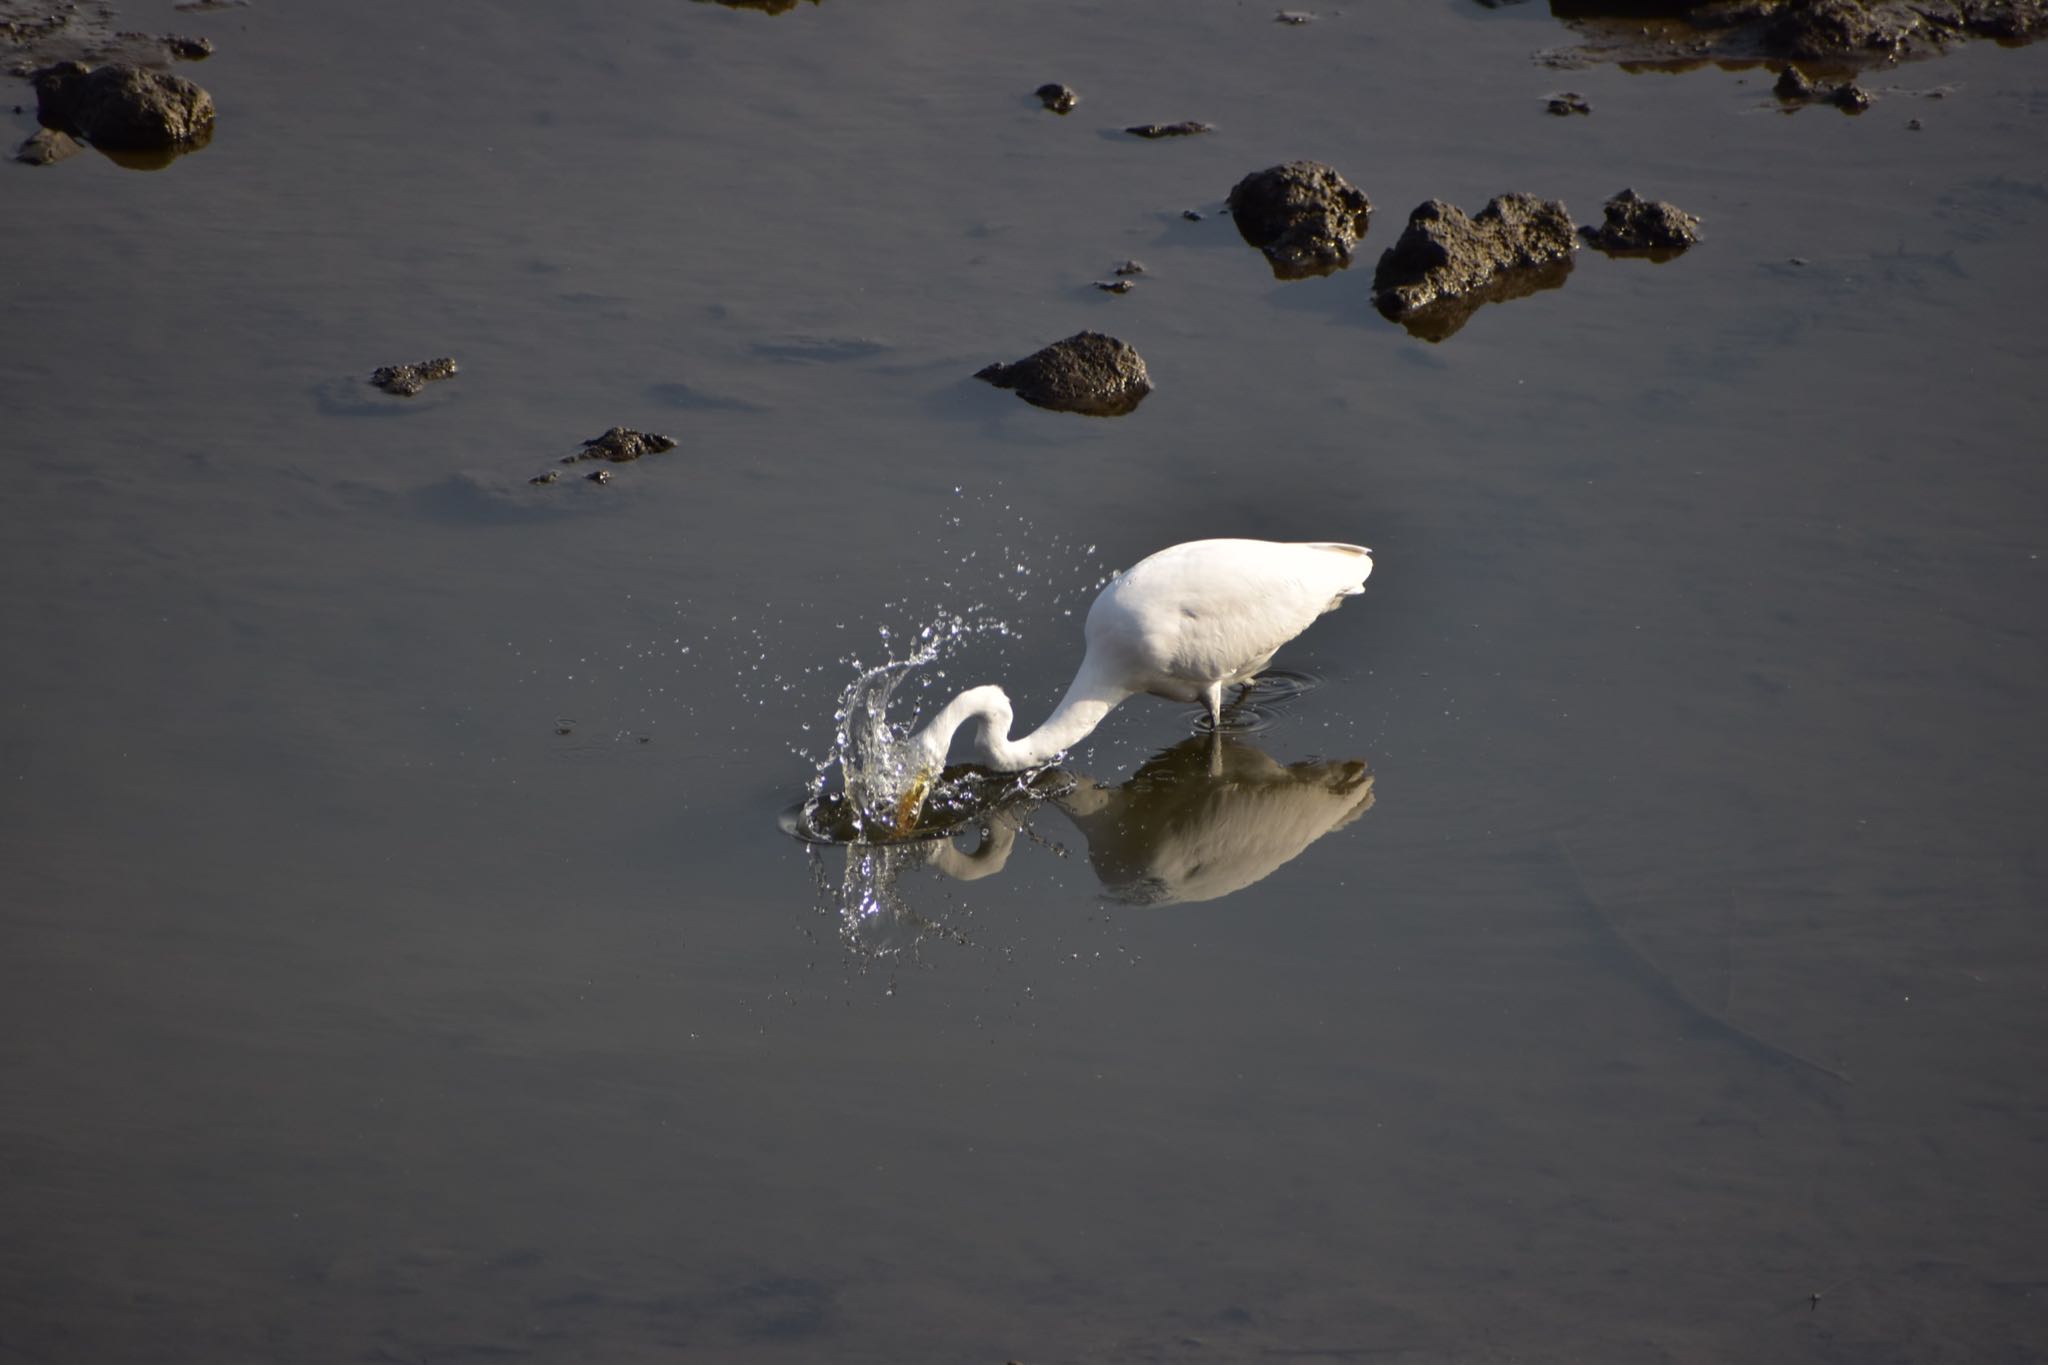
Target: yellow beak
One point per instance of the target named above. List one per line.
(911, 802)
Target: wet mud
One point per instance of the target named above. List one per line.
(1843, 34)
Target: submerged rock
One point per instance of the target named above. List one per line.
(123, 107)
(1569, 103)
(1056, 97)
(1637, 226)
(1185, 128)
(1443, 253)
(621, 444)
(407, 380)
(1087, 373)
(46, 145)
(1303, 215)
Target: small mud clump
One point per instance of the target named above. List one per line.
(1303, 215)
(407, 380)
(1637, 226)
(621, 444)
(1185, 128)
(1444, 254)
(1088, 373)
(1056, 97)
(122, 107)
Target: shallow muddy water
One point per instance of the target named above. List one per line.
(403, 957)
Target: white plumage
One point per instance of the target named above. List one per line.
(1183, 624)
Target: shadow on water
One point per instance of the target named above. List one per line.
(1198, 821)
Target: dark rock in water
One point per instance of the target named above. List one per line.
(1636, 225)
(1795, 87)
(46, 145)
(1185, 128)
(621, 444)
(1056, 97)
(1191, 215)
(1443, 254)
(551, 476)
(1115, 286)
(407, 380)
(1303, 215)
(1297, 17)
(599, 476)
(1569, 103)
(122, 107)
(1087, 373)
(1131, 268)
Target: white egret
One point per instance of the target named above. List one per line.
(1183, 624)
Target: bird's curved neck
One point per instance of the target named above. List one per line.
(1088, 700)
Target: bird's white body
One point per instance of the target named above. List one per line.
(1183, 624)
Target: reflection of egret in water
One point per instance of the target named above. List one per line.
(1211, 816)
(1206, 817)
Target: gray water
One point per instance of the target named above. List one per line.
(400, 957)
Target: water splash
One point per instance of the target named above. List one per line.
(878, 795)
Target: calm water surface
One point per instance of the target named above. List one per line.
(402, 959)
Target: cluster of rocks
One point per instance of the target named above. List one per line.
(110, 88)
(1840, 32)
(1307, 219)
(1796, 87)
(617, 445)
